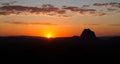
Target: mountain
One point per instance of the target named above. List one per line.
(88, 34)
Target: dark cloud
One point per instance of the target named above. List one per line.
(61, 11)
(52, 10)
(87, 10)
(111, 9)
(80, 10)
(44, 9)
(27, 23)
(20, 9)
(112, 4)
(115, 4)
(4, 13)
(71, 8)
(77, 9)
(101, 4)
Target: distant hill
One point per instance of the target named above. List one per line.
(88, 34)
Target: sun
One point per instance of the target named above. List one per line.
(48, 36)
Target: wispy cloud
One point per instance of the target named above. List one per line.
(28, 23)
(112, 4)
(9, 3)
(94, 24)
(114, 24)
(111, 9)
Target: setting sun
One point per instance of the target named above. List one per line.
(48, 36)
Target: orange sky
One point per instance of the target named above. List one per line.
(61, 27)
(57, 20)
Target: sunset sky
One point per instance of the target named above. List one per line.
(59, 18)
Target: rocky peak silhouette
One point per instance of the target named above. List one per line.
(87, 34)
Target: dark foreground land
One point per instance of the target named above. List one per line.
(58, 49)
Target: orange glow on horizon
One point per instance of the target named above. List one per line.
(55, 31)
(49, 35)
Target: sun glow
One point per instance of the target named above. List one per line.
(49, 36)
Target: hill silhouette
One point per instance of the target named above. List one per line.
(87, 34)
(58, 49)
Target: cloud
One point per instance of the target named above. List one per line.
(71, 8)
(115, 24)
(108, 8)
(51, 10)
(112, 4)
(5, 4)
(20, 9)
(87, 10)
(102, 14)
(9, 3)
(82, 10)
(3, 13)
(77, 9)
(94, 24)
(111, 9)
(115, 4)
(101, 4)
(84, 6)
(27, 23)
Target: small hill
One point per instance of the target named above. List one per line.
(88, 34)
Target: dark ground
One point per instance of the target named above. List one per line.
(58, 50)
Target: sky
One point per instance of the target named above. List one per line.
(59, 18)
